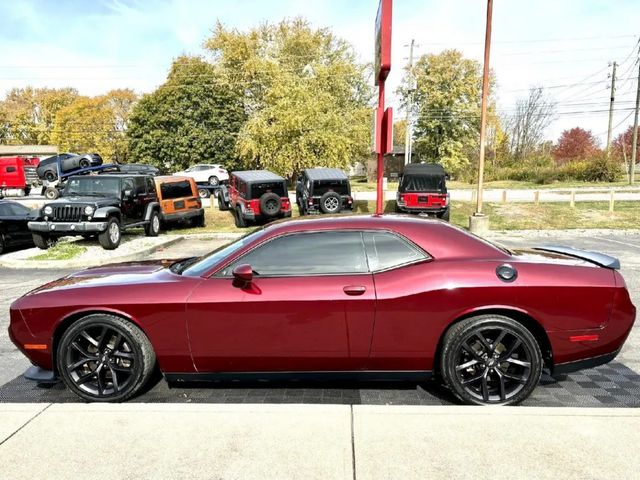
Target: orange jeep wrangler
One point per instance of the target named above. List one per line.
(179, 200)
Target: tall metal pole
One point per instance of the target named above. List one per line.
(634, 144)
(483, 112)
(407, 139)
(380, 149)
(612, 99)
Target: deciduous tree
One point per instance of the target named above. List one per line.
(527, 125)
(575, 144)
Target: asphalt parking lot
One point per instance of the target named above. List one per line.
(614, 385)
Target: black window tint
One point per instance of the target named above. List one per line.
(386, 250)
(11, 169)
(151, 185)
(321, 253)
(259, 189)
(141, 187)
(176, 190)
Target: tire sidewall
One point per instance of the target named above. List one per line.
(71, 333)
(266, 197)
(461, 332)
(105, 238)
(327, 196)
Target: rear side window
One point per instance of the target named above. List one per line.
(151, 185)
(141, 188)
(302, 254)
(386, 250)
(176, 190)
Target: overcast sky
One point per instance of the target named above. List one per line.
(562, 45)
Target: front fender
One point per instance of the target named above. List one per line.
(105, 212)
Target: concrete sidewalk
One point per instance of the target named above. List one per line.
(215, 441)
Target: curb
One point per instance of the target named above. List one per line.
(66, 264)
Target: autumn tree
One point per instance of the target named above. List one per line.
(575, 144)
(527, 124)
(446, 103)
(97, 124)
(194, 117)
(622, 145)
(306, 96)
(29, 113)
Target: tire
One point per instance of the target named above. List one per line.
(84, 163)
(51, 193)
(222, 205)
(445, 215)
(239, 219)
(270, 204)
(330, 202)
(198, 221)
(152, 229)
(503, 361)
(109, 239)
(1, 244)
(89, 236)
(213, 180)
(203, 193)
(50, 176)
(110, 346)
(43, 242)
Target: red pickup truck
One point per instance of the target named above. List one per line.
(18, 175)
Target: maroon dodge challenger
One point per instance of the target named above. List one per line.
(351, 297)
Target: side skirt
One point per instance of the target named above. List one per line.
(359, 376)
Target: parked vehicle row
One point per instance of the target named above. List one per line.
(18, 176)
(14, 230)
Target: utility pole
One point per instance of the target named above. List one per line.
(478, 223)
(612, 99)
(412, 87)
(634, 144)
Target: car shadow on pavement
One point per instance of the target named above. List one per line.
(611, 385)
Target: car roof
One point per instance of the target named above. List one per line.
(424, 169)
(258, 176)
(326, 174)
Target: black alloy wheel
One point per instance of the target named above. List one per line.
(105, 358)
(491, 360)
(84, 163)
(270, 204)
(330, 202)
(50, 176)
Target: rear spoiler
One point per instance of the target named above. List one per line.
(600, 259)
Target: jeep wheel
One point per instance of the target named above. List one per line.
(203, 193)
(110, 238)
(330, 202)
(213, 180)
(42, 241)
(198, 221)
(1, 244)
(270, 204)
(51, 193)
(445, 215)
(104, 358)
(50, 176)
(239, 219)
(152, 229)
(222, 204)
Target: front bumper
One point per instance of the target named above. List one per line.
(67, 227)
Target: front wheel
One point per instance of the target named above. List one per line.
(490, 360)
(51, 193)
(152, 229)
(103, 358)
(110, 238)
(214, 181)
(43, 242)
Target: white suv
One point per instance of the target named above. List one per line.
(211, 174)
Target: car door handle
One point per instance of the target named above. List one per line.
(354, 289)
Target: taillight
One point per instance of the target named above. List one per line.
(349, 200)
(400, 199)
(445, 199)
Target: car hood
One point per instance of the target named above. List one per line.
(118, 274)
(87, 200)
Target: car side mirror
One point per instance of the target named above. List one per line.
(242, 275)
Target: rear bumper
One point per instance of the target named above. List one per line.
(568, 367)
(67, 227)
(431, 211)
(252, 216)
(184, 215)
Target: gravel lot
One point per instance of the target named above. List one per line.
(626, 368)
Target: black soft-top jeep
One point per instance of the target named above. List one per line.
(325, 190)
(101, 205)
(255, 195)
(423, 189)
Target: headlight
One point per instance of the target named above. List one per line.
(47, 210)
(88, 210)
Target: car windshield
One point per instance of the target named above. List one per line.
(422, 183)
(194, 267)
(93, 186)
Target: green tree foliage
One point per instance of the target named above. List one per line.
(194, 117)
(447, 98)
(97, 124)
(399, 133)
(28, 114)
(306, 96)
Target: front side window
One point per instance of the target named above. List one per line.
(301, 254)
(386, 250)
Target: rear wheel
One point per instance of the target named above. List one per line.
(1, 244)
(42, 241)
(152, 229)
(102, 358)
(222, 204)
(84, 163)
(213, 180)
(490, 360)
(110, 238)
(239, 219)
(203, 193)
(445, 215)
(50, 175)
(198, 221)
(51, 193)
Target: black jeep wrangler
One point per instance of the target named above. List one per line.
(255, 196)
(101, 205)
(325, 190)
(423, 189)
